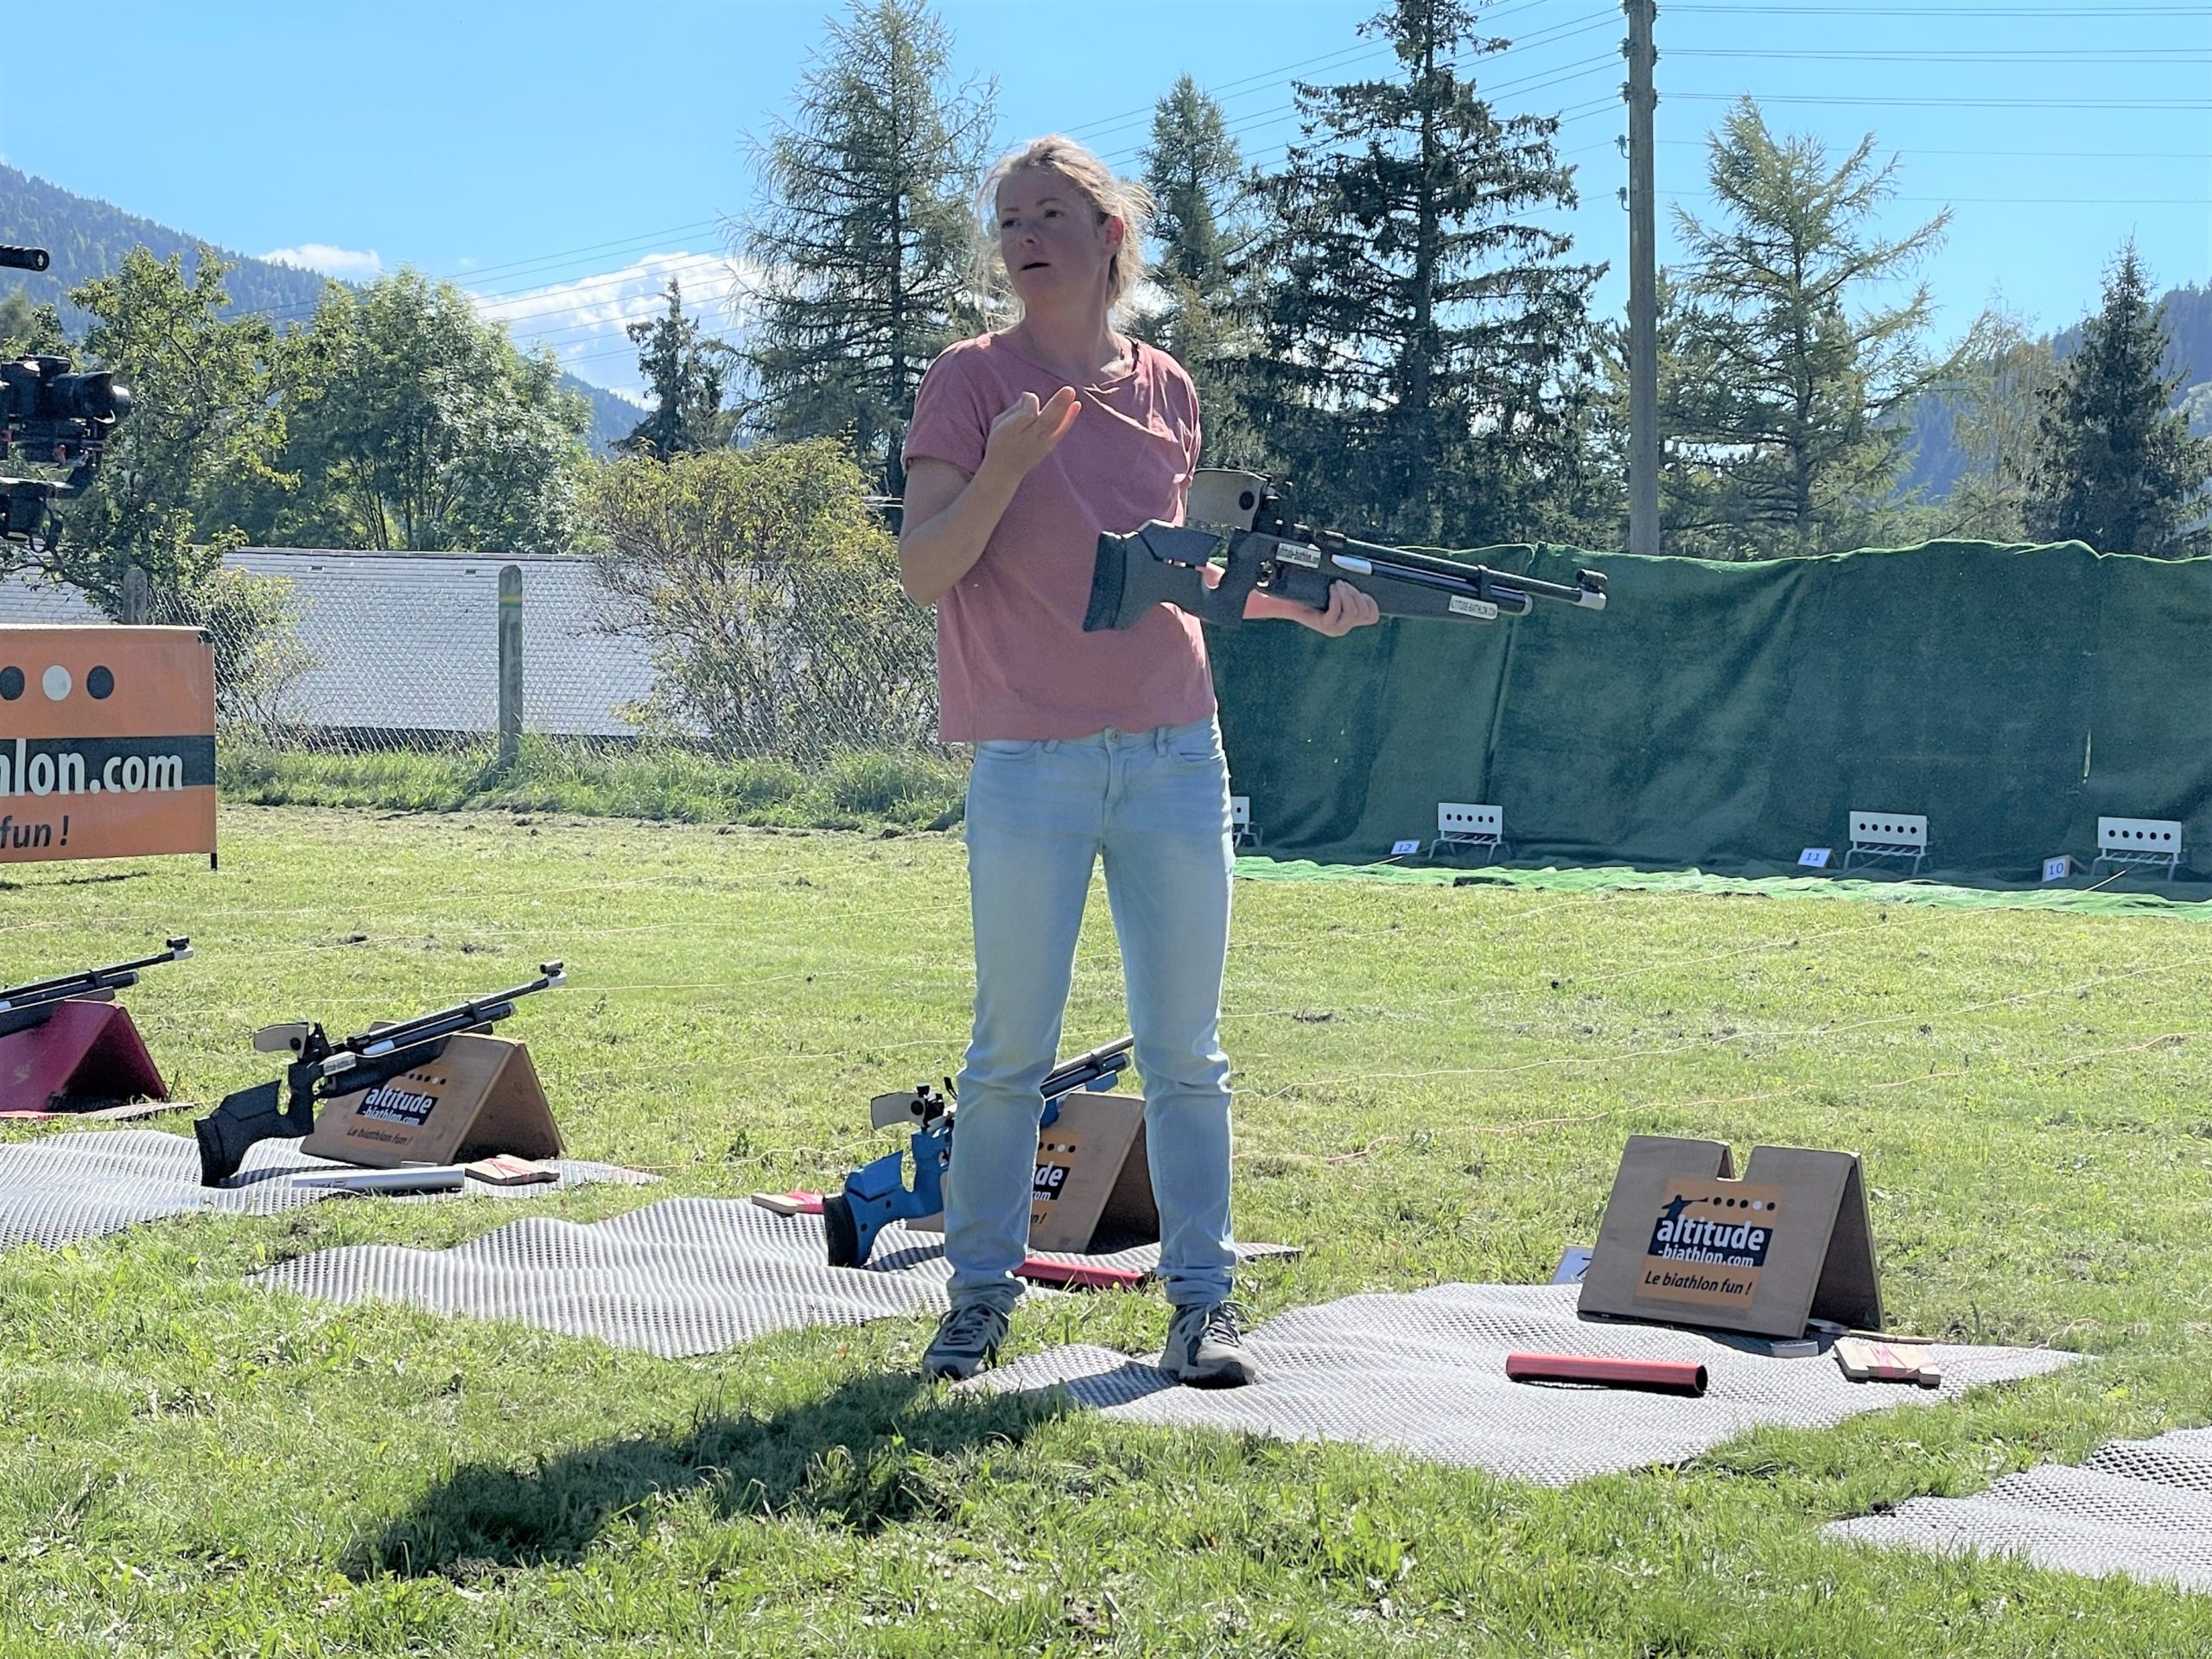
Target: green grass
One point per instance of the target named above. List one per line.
(1434, 1084)
(850, 792)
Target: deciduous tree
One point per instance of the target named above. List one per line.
(768, 590)
(202, 440)
(417, 425)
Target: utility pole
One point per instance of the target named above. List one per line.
(1642, 286)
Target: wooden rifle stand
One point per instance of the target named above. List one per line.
(85, 1055)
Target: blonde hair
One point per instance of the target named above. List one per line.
(1112, 197)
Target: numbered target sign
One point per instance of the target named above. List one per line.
(107, 742)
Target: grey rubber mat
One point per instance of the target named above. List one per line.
(679, 1278)
(1425, 1374)
(92, 1181)
(2141, 1508)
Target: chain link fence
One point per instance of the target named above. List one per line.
(346, 653)
(797, 691)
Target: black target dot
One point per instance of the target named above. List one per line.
(11, 683)
(100, 683)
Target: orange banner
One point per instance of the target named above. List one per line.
(107, 742)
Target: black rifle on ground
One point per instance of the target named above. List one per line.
(49, 415)
(1238, 519)
(321, 1070)
(22, 1007)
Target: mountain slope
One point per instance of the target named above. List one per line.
(1937, 462)
(88, 237)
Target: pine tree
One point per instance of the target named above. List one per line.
(864, 236)
(689, 372)
(1420, 335)
(1775, 396)
(1196, 175)
(2115, 465)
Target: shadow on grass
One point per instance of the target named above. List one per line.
(876, 1451)
(88, 880)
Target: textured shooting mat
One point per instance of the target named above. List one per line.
(679, 1278)
(93, 1181)
(1425, 1374)
(2141, 1508)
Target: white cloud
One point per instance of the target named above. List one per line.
(347, 264)
(581, 323)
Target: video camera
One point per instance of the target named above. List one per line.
(50, 415)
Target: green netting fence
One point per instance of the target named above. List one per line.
(1722, 716)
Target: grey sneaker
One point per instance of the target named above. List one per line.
(967, 1339)
(1205, 1349)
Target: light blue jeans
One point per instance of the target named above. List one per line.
(1154, 805)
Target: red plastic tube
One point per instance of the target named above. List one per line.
(1087, 1276)
(1669, 1375)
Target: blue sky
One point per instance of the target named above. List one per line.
(560, 159)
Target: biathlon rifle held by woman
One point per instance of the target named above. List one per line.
(1237, 519)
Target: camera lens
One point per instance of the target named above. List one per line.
(90, 397)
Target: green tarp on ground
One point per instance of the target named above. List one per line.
(1723, 717)
(2128, 895)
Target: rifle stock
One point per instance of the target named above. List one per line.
(260, 1113)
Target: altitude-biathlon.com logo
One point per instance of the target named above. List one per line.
(1709, 1245)
(395, 1105)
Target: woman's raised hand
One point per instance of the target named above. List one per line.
(1024, 432)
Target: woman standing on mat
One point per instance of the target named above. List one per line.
(1025, 445)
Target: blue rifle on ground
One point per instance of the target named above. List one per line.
(877, 1193)
(25, 1006)
(322, 1070)
(1238, 520)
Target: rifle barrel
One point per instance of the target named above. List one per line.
(1085, 1068)
(444, 1022)
(114, 977)
(1431, 564)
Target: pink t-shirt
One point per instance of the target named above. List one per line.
(1012, 659)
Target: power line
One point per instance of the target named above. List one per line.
(1279, 113)
(1951, 103)
(2055, 54)
(1354, 54)
(2044, 154)
(640, 242)
(2038, 201)
(1527, 83)
(1757, 9)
